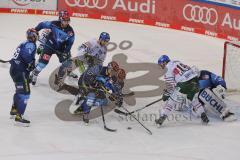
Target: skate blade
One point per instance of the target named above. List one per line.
(230, 119)
(19, 124)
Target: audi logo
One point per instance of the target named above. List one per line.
(200, 14)
(87, 3)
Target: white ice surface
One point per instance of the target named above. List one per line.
(49, 138)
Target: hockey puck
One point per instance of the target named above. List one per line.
(129, 127)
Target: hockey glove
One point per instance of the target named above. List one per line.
(89, 59)
(31, 66)
(40, 49)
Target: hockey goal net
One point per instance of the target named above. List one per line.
(231, 66)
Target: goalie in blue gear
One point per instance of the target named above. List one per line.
(22, 64)
(95, 82)
(217, 90)
(59, 41)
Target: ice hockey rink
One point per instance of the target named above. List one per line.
(50, 137)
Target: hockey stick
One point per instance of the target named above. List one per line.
(126, 114)
(3, 61)
(131, 114)
(104, 123)
(150, 132)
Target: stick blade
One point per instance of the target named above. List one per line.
(120, 112)
(109, 129)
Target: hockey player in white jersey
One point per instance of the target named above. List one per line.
(93, 52)
(182, 83)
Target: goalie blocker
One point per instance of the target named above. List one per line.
(216, 103)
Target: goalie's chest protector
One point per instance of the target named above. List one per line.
(211, 100)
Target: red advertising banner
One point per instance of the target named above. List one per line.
(187, 15)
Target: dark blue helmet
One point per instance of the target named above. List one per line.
(104, 36)
(163, 58)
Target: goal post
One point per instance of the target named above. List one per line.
(231, 66)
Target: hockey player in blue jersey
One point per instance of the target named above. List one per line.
(59, 41)
(212, 94)
(22, 64)
(94, 83)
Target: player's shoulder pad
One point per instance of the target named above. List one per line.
(88, 44)
(30, 47)
(93, 42)
(55, 22)
(47, 23)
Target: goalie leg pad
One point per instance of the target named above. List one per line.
(219, 91)
(212, 101)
